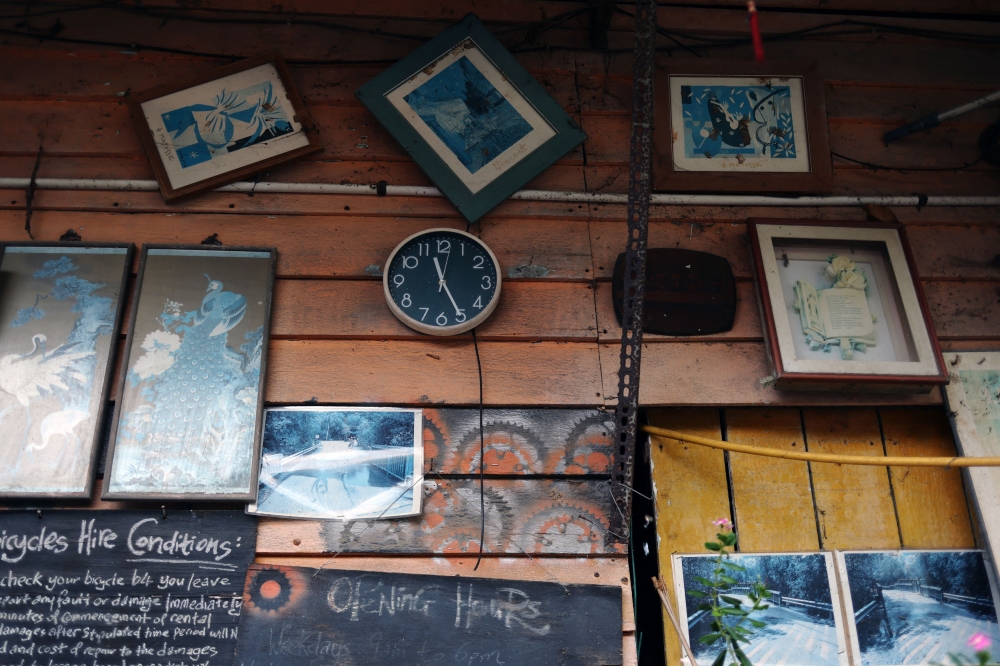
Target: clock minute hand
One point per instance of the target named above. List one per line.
(451, 298)
(441, 282)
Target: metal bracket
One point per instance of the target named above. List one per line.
(640, 174)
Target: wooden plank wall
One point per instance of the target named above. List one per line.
(553, 340)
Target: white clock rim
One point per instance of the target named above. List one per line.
(440, 330)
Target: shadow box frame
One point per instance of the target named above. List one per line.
(819, 178)
(258, 443)
(300, 115)
(109, 375)
(473, 205)
(903, 284)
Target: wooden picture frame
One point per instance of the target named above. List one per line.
(418, 102)
(799, 269)
(744, 124)
(189, 409)
(72, 333)
(180, 129)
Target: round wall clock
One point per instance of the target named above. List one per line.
(442, 281)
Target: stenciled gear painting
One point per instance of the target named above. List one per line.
(273, 590)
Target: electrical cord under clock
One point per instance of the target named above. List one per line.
(482, 457)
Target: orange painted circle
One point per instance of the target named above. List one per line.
(270, 589)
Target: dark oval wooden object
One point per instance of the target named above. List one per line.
(687, 292)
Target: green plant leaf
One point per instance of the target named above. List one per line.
(721, 659)
(711, 545)
(704, 581)
(734, 567)
(696, 593)
(705, 607)
(757, 623)
(708, 639)
(731, 600)
(733, 611)
(729, 579)
(744, 661)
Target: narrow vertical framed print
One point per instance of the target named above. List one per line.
(187, 419)
(60, 312)
(221, 126)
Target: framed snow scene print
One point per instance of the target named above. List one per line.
(916, 606)
(804, 625)
(341, 463)
(726, 126)
(842, 307)
(470, 115)
(60, 313)
(190, 394)
(222, 126)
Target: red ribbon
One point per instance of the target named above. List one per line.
(758, 43)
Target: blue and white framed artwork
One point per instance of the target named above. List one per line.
(341, 463)
(187, 419)
(222, 125)
(804, 620)
(60, 308)
(916, 606)
(739, 124)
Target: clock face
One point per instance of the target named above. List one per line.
(442, 281)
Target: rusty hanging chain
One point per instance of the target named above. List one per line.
(640, 171)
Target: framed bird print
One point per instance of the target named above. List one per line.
(60, 311)
(187, 420)
(222, 126)
(471, 116)
(726, 126)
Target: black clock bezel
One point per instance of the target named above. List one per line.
(454, 329)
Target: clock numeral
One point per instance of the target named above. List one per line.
(426, 310)
(462, 243)
(398, 279)
(424, 249)
(487, 282)
(439, 320)
(460, 316)
(407, 301)
(444, 247)
(479, 260)
(407, 259)
(478, 303)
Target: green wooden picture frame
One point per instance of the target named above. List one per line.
(503, 95)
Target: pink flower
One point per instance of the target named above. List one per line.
(724, 523)
(979, 641)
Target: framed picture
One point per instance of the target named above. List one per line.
(471, 116)
(60, 313)
(973, 401)
(804, 622)
(842, 307)
(916, 606)
(190, 395)
(733, 126)
(341, 463)
(222, 126)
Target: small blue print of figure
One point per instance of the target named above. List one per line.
(739, 122)
(234, 120)
(468, 114)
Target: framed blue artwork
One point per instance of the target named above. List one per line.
(190, 395)
(60, 313)
(735, 126)
(223, 125)
(470, 115)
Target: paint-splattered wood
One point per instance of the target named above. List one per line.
(531, 516)
(518, 441)
(321, 247)
(772, 499)
(690, 491)
(727, 373)
(854, 504)
(930, 503)
(569, 570)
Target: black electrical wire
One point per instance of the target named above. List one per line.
(903, 169)
(482, 458)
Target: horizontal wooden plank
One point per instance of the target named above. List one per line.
(730, 373)
(611, 570)
(518, 441)
(530, 516)
(321, 247)
(427, 371)
(354, 309)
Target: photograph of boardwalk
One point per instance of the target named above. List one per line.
(916, 607)
(803, 626)
(340, 463)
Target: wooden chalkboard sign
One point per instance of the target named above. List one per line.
(122, 588)
(293, 616)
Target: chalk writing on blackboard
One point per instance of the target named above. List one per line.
(362, 618)
(123, 588)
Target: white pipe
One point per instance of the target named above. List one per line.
(525, 195)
